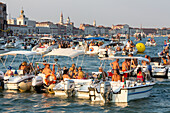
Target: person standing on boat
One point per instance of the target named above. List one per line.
(115, 66)
(165, 44)
(128, 45)
(47, 69)
(125, 68)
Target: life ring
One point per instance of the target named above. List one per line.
(91, 49)
(47, 82)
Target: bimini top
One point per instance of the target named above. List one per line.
(94, 38)
(65, 52)
(47, 38)
(14, 53)
(120, 57)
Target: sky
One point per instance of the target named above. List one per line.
(148, 13)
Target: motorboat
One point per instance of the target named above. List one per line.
(18, 80)
(63, 87)
(131, 89)
(149, 43)
(46, 47)
(158, 69)
(29, 42)
(12, 42)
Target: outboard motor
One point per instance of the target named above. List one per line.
(105, 91)
(37, 83)
(69, 87)
(1, 80)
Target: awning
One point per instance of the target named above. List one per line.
(14, 53)
(65, 52)
(113, 58)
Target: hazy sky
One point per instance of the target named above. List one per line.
(149, 13)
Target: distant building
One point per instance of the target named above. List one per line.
(22, 23)
(3, 19)
(120, 28)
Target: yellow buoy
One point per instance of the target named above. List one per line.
(140, 47)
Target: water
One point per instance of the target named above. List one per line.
(158, 102)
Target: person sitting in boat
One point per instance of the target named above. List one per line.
(167, 50)
(115, 66)
(72, 72)
(24, 67)
(164, 61)
(125, 68)
(124, 49)
(45, 45)
(9, 72)
(163, 53)
(81, 74)
(40, 44)
(116, 77)
(118, 49)
(103, 74)
(153, 41)
(66, 75)
(128, 45)
(139, 74)
(73, 66)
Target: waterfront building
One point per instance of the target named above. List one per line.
(3, 19)
(22, 25)
(120, 28)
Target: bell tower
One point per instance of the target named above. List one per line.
(94, 23)
(61, 18)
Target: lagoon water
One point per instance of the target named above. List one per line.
(158, 102)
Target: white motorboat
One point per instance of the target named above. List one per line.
(64, 87)
(119, 92)
(126, 91)
(149, 43)
(17, 81)
(44, 48)
(12, 42)
(29, 42)
(158, 69)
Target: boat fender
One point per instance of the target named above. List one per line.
(91, 49)
(47, 82)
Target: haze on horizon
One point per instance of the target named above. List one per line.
(149, 13)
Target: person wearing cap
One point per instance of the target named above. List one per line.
(104, 74)
(9, 72)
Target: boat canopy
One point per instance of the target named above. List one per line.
(95, 38)
(14, 53)
(65, 52)
(112, 44)
(47, 38)
(116, 57)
